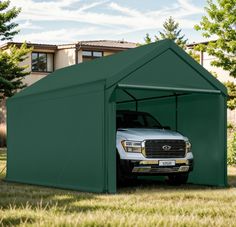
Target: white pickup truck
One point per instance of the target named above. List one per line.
(145, 147)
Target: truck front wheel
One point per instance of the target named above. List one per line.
(178, 179)
(124, 172)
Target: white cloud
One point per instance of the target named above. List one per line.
(125, 20)
(92, 5)
(125, 10)
(29, 25)
(63, 35)
(189, 7)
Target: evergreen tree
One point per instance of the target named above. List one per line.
(147, 39)
(11, 74)
(7, 28)
(171, 31)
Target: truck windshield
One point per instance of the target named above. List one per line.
(136, 120)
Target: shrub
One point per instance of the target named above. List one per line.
(231, 159)
(230, 126)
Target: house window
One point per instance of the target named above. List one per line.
(90, 55)
(42, 62)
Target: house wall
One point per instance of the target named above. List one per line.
(105, 53)
(33, 76)
(80, 57)
(64, 57)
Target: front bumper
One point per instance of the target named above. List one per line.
(153, 167)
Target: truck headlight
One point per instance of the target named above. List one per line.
(132, 146)
(188, 146)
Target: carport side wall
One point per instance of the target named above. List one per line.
(203, 119)
(57, 138)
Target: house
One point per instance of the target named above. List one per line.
(46, 58)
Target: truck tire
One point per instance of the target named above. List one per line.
(178, 179)
(122, 177)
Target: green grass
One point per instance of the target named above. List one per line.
(149, 204)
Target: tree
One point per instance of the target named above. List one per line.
(194, 54)
(147, 39)
(7, 28)
(220, 23)
(170, 31)
(231, 95)
(11, 74)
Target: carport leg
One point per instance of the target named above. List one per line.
(109, 144)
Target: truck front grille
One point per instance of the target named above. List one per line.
(156, 149)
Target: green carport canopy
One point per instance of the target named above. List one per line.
(62, 129)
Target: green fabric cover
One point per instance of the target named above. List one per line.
(62, 131)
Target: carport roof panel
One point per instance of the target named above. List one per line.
(171, 71)
(113, 69)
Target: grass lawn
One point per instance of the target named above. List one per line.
(145, 205)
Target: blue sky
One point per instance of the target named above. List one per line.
(68, 21)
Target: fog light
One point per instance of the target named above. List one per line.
(183, 168)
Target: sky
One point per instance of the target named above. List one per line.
(69, 21)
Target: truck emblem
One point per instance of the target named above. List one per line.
(166, 147)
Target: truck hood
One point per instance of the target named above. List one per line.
(140, 134)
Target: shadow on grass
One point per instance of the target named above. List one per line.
(232, 181)
(16, 197)
(145, 184)
(3, 156)
(15, 221)
(154, 184)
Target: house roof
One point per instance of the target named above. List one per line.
(35, 45)
(191, 45)
(109, 43)
(102, 44)
(120, 67)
